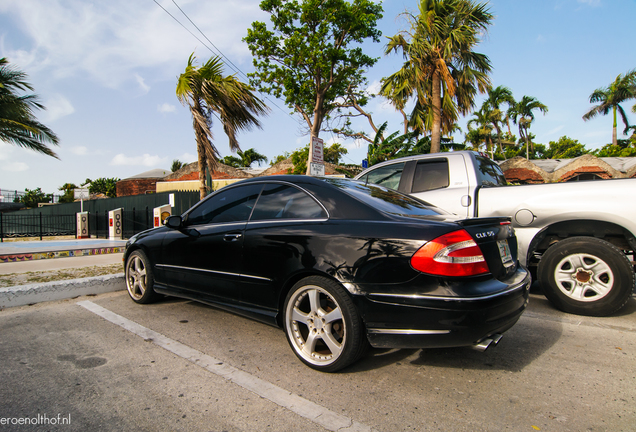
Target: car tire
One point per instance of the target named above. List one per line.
(323, 326)
(586, 276)
(139, 278)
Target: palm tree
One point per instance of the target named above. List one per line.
(482, 133)
(608, 98)
(521, 113)
(249, 156)
(18, 125)
(207, 92)
(496, 97)
(440, 67)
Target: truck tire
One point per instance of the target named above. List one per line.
(586, 276)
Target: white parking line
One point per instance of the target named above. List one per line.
(299, 405)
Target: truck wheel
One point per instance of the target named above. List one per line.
(586, 276)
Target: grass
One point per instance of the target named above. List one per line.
(16, 279)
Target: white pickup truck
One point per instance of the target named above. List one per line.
(576, 238)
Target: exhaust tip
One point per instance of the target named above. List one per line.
(486, 343)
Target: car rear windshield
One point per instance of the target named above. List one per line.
(386, 200)
(489, 173)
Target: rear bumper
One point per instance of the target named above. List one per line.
(412, 321)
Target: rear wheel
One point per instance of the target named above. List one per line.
(586, 276)
(322, 325)
(139, 278)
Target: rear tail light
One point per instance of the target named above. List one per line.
(453, 254)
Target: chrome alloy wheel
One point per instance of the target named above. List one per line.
(584, 277)
(315, 325)
(136, 277)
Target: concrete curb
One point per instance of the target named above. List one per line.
(59, 290)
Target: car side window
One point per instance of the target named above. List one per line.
(388, 176)
(489, 173)
(279, 201)
(430, 175)
(232, 205)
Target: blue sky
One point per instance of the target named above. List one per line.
(106, 71)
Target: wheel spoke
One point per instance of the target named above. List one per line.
(299, 316)
(332, 316)
(314, 299)
(310, 344)
(334, 346)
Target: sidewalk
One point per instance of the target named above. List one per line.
(26, 251)
(30, 256)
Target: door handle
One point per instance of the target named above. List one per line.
(232, 237)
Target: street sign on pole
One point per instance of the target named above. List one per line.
(316, 158)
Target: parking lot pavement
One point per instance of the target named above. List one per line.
(112, 364)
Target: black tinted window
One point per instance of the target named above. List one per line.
(386, 200)
(286, 202)
(489, 173)
(430, 175)
(228, 205)
(388, 176)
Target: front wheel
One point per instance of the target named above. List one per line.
(139, 278)
(586, 276)
(322, 325)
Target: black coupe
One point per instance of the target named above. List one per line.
(338, 264)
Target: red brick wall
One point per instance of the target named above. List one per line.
(522, 175)
(585, 170)
(216, 175)
(136, 186)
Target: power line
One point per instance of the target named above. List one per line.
(231, 65)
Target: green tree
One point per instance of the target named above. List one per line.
(609, 99)
(441, 69)
(565, 148)
(245, 159)
(522, 114)
(623, 148)
(333, 153)
(395, 145)
(299, 159)
(69, 192)
(496, 97)
(33, 197)
(279, 158)
(480, 129)
(206, 92)
(312, 57)
(103, 185)
(18, 124)
(176, 165)
(232, 161)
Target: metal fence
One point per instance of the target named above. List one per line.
(61, 219)
(18, 225)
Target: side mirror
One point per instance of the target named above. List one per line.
(173, 222)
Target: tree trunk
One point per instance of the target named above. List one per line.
(614, 136)
(315, 127)
(436, 131)
(203, 190)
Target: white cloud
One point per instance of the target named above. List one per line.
(145, 160)
(5, 150)
(64, 35)
(145, 88)
(79, 150)
(188, 158)
(15, 167)
(57, 107)
(166, 108)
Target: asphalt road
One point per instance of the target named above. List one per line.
(108, 364)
